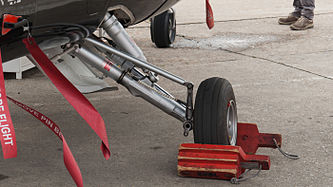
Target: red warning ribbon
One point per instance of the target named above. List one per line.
(69, 159)
(7, 132)
(71, 94)
(209, 15)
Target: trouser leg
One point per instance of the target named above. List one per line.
(298, 8)
(308, 8)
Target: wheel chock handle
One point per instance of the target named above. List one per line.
(249, 138)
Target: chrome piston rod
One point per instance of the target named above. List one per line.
(137, 89)
(124, 42)
(119, 35)
(137, 62)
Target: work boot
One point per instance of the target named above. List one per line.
(288, 20)
(302, 23)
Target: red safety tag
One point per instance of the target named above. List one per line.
(8, 18)
(72, 94)
(69, 160)
(209, 15)
(7, 133)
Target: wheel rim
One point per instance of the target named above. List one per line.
(232, 122)
(172, 28)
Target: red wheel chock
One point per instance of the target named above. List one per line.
(225, 161)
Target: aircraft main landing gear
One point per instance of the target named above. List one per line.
(214, 119)
(163, 29)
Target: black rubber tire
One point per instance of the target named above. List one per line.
(163, 29)
(210, 111)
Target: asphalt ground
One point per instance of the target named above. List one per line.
(282, 80)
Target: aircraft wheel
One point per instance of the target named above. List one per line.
(163, 29)
(215, 113)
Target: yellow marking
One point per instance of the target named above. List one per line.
(214, 159)
(209, 149)
(181, 169)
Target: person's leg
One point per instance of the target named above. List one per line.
(306, 19)
(308, 8)
(298, 8)
(293, 17)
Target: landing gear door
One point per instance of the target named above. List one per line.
(58, 11)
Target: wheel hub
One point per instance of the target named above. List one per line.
(172, 26)
(232, 122)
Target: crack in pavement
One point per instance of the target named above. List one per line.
(280, 63)
(266, 59)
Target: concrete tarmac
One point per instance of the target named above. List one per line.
(282, 79)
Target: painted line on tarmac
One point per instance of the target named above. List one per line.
(223, 21)
(244, 19)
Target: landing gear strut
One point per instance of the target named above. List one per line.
(214, 117)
